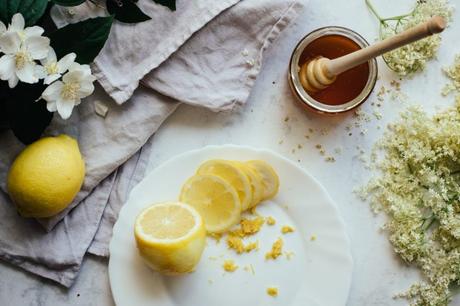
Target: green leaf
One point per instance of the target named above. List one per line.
(171, 4)
(4, 12)
(68, 2)
(126, 11)
(32, 10)
(85, 38)
(26, 118)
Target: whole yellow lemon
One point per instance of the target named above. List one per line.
(46, 176)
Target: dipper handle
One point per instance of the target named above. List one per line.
(432, 26)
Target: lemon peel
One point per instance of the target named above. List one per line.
(46, 176)
(276, 251)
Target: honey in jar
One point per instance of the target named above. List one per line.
(349, 84)
(350, 88)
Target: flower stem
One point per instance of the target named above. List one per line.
(382, 22)
(373, 10)
(397, 18)
(426, 225)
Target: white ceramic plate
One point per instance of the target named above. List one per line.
(319, 272)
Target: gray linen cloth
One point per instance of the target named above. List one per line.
(133, 50)
(224, 57)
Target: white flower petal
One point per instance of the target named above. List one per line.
(33, 31)
(91, 78)
(2, 28)
(86, 88)
(65, 62)
(51, 57)
(53, 92)
(10, 43)
(65, 107)
(51, 78)
(74, 66)
(51, 106)
(40, 72)
(17, 23)
(75, 76)
(27, 73)
(38, 47)
(13, 81)
(7, 67)
(84, 69)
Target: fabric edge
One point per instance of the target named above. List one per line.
(65, 278)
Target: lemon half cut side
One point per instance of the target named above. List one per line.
(170, 237)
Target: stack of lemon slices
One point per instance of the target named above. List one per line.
(170, 236)
(221, 189)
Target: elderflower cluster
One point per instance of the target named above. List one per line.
(413, 57)
(418, 188)
(29, 58)
(453, 73)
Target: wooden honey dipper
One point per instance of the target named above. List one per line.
(321, 72)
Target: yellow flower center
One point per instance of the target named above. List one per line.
(69, 91)
(21, 59)
(52, 68)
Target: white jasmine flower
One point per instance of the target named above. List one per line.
(62, 96)
(53, 69)
(18, 63)
(18, 26)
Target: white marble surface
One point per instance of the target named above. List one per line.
(272, 120)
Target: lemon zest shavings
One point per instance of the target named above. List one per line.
(229, 265)
(287, 229)
(272, 291)
(277, 249)
(271, 221)
(248, 227)
(236, 243)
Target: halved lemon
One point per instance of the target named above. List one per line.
(170, 237)
(270, 180)
(257, 189)
(232, 174)
(215, 199)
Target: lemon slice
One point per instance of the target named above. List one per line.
(232, 174)
(170, 237)
(270, 180)
(255, 180)
(215, 199)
